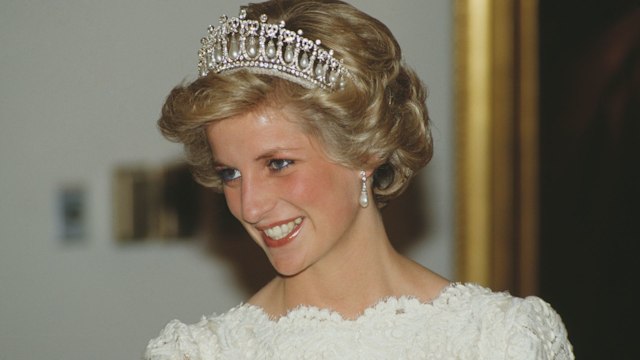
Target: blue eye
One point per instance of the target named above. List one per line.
(228, 174)
(279, 164)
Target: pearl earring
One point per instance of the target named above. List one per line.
(364, 196)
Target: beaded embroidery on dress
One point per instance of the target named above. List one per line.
(465, 322)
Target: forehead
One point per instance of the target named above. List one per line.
(257, 122)
(262, 130)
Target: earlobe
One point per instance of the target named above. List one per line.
(370, 164)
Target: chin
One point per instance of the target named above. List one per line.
(286, 267)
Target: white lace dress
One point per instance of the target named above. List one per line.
(465, 322)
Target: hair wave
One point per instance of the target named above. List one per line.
(378, 119)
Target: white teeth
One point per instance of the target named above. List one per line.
(281, 231)
(277, 231)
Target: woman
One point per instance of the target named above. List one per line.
(308, 139)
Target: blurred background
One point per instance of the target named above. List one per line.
(81, 163)
(99, 249)
(590, 171)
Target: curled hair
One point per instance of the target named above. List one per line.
(378, 119)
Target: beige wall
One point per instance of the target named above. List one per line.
(81, 83)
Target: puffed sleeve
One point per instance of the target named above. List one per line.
(537, 332)
(178, 341)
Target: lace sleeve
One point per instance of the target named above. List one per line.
(537, 332)
(178, 341)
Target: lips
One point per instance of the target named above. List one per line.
(281, 234)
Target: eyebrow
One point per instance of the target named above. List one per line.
(273, 152)
(266, 155)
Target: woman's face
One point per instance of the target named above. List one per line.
(297, 205)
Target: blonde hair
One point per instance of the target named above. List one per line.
(379, 118)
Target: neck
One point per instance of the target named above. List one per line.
(362, 271)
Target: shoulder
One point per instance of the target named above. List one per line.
(179, 341)
(213, 337)
(519, 326)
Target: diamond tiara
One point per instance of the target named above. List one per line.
(264, 48)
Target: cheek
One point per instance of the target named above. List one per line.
(233, 202)
(327, 190)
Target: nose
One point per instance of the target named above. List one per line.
(257, 199)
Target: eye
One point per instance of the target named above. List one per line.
(228, 174)
(279, 164)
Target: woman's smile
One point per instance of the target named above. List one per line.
(282, 234)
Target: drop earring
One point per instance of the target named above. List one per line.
(364, 196)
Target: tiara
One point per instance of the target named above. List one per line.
(264, 48)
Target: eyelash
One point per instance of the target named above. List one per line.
(228, 175)
(278, 165)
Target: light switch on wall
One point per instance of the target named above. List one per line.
(72, 214)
